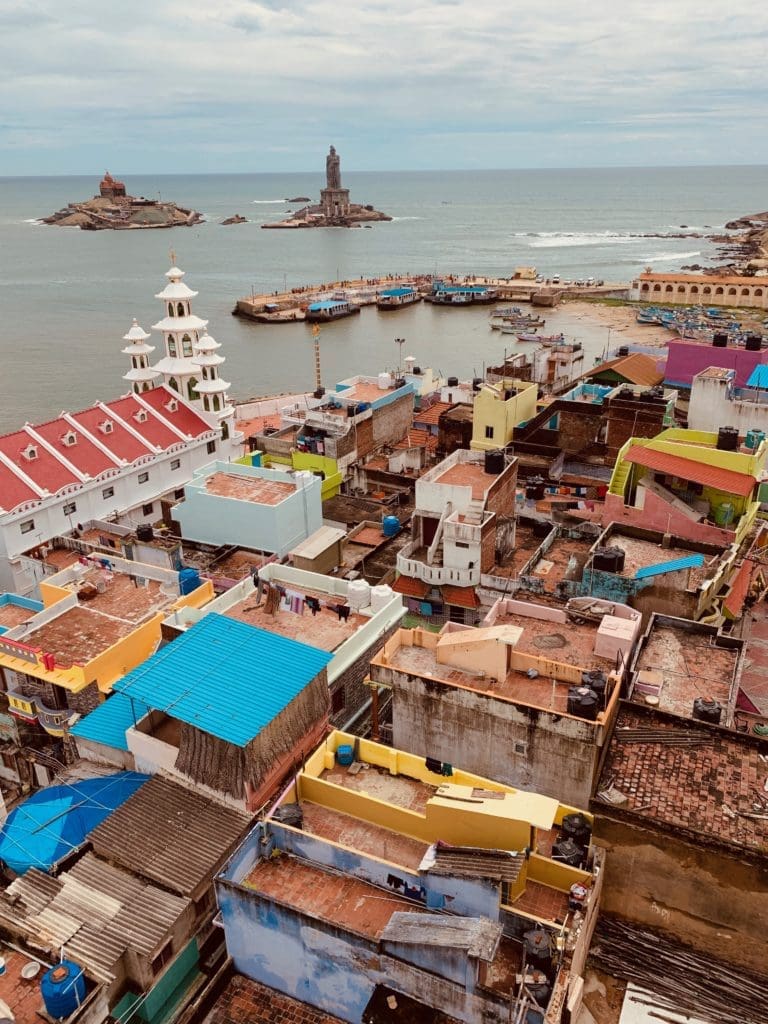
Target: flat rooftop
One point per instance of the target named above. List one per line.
(525, 545)
(325, 629)
(22, 997)
(688, 665)
(258, 490)
(564, 552)
(363, 391)
(96, 623)
(569, 643)
(639, 554)
(362, 836)
(12, 615)
(706, 786)
(379, 783)
(341, 901)
(468, 474)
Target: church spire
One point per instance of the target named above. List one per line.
(141, 375)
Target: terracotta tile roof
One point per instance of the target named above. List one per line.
(130, 411)
(416, 438)
(83, 454)
(247, 1002)
(410, 587)
(462, 597)
(45, 470)
(121, 442)
(726, 480)
(431, 415)
(692, 786)
(183, 418)
(636, 368)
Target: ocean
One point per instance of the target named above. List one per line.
(67, 296)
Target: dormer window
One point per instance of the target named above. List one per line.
(106, 426)
(69, 439)
(30, 452)
(172, 405)
(141, 416)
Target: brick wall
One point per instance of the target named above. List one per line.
(86, 700)
(488, 546)
(392, 422)
(578, 430)
(501, 497)
(356, 693)
(363, 438)
(32, 687)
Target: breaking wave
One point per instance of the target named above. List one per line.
(569, 239)
(667, 256)
(407, 218)
(264, 202)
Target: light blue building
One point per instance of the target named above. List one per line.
(251, 507)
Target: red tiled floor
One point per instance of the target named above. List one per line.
(361, 835)
(23, 997)
(259, 490)
(247, 1002)
(543, 902)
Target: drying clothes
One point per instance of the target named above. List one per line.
(343, 611)
(313, 604)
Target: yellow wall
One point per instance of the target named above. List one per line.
(491, 410)
(320, 464)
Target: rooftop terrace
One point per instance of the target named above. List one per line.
(705, 784)
(12, 615)
(467, 474)
(640, 553)
(259, 490)
(564, 553)
(325, 629)
(677, 665)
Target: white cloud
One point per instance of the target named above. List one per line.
(172, 85)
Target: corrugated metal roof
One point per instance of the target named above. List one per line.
(474, 862)
(698, 472)
(673, 565)
(171, 835)
(99, 911)
(636, 368)
(108, 722)
(759, 377)
(479, 936)
(225, 677)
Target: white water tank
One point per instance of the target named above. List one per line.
(385, 381)
(380, 597)
(358, 595)
(410, 362)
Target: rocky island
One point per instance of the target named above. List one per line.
(334, 209)
(114, 210)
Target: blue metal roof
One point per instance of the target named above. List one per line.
(108, 722)
(759, 377)
(687, 562)
(225, 677)
(394, 292)
(57, 820)
(328, 304)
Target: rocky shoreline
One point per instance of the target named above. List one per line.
(114, 210)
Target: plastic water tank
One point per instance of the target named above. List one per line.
(753, 342)
(754, 438)
(724, 514)
(380, 597)
(576, 827)
(609, 559)
(494, 462)
(63, 989)
(706, 709)
(345, 755)
(452, 382)
(584, 702)
(144, 532)
(189, 580)
(719, 340)
(567, 851)
(390, 526)
(384, 381)
(595, 680)
(358, 595)
(538, 949)
(728, 439)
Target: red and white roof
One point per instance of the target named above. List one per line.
(64, 455)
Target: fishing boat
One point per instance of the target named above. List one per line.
(548, 340)
(506, 311)
(460, 295)
(396, 298)
(330, 309)
(524, 335)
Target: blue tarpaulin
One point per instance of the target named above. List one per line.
(55, 821)
(759, 377)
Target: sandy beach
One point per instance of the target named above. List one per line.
(621, 321)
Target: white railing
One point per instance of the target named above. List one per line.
(437, 575)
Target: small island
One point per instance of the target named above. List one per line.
(334, 209)
(236, 219)
(114, 210)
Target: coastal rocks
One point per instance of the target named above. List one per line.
(299, 199)
(114, 210)
(236, 219)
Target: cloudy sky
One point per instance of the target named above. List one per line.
(235, 85)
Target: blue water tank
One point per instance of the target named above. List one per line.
(189, 580)
(63, 989)
(345, 755)
(390, 526)
(754, 438)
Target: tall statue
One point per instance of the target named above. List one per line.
(333, 169)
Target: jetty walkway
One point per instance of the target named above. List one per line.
(290, 306)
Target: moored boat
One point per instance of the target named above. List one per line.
(330, 309)
(460, 294)
(396, 298)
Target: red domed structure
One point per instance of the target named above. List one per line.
(111, 188)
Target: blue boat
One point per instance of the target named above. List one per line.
(396, 298)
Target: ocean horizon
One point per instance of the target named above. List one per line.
(68, 296)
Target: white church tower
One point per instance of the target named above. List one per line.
(141, 375)
(191, 361)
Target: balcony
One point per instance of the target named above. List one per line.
(55, 720)
(437, 575)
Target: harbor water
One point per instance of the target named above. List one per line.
(67, 296)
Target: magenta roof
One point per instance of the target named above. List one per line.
(687, 358)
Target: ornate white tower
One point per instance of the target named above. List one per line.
(211, 389)
(141, 375)
(181, 330)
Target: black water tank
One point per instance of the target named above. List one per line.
(417, 371)
(595, 680)
(583, 702)
(609, 559)
(623, 350)
(477, 383)
(753, 343)
(452, 382)
(538, 987)
(576, 827)
(145, 532)
(728, 439)
(289, 814)
(541, 530)
(535, 488)
(706, 709)
(494, 462)
(538, 949)
(567, 852)
(719, 340)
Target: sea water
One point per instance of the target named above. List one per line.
(67, 296)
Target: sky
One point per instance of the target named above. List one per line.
(168, 86)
